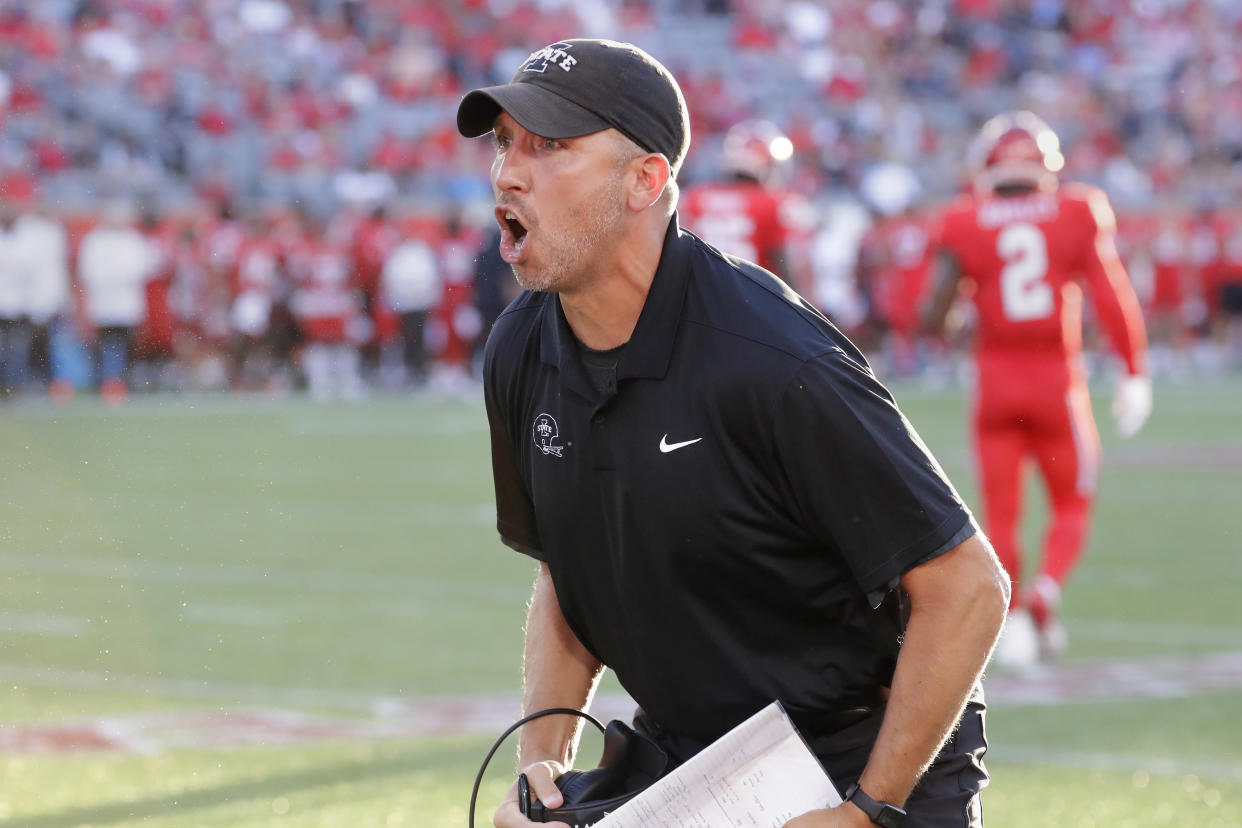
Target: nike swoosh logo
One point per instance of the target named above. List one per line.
(666, 446)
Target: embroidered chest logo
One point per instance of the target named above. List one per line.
(556, 54)
(545, 433)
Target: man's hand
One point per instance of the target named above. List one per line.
(1131, 404)
(541, 777)
(844, 815)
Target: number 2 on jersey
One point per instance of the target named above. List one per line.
(1024, 293)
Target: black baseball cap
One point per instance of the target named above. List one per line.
(576, 87)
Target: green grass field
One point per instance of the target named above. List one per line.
(176, 560)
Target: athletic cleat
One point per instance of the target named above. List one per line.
(1018, 647)
(1045, 606)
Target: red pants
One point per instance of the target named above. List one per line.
(1038, 409)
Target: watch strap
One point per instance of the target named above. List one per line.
(884, 814)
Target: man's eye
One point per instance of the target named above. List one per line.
(501, 141)
(551, 143)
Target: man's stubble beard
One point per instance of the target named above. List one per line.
(569, 256)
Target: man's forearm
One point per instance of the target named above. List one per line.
(558, 672)
(957, 609)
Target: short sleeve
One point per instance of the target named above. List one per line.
(515, 511)
(862, 481)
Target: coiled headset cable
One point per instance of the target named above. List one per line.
(551, 711)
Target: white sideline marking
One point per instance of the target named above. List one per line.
(223, 574)
(189, 688)
(36, 623)
(389, 716)
(454, 427)
(149, 733)
(233, 614)
(1073, 682)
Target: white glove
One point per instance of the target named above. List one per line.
(1131, 404)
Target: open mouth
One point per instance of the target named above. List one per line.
(513, 234)
(516, 228)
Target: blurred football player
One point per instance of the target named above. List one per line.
(1023, 245)
(327, 304)
(748, 214)
(892, 263)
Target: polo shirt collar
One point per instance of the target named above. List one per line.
(650, 348)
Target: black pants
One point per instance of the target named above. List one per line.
(414, 345)
(41, 353)
(948, 794)
(14, 354)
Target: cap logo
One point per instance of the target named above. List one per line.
(556, 54)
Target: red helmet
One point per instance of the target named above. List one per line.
(755, 149)
(1016, 148)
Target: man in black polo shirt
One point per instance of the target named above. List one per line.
(726, 506)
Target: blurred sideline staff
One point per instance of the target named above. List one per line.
(34, 287)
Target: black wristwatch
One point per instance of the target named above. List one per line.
(884, 814)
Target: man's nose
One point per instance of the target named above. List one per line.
(511, 170)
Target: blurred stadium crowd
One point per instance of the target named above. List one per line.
(261, 194)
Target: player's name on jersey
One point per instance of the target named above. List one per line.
(1001, 211)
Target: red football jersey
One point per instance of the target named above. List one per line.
(894, 256)
(1170, 254)
(325, 299)
(1027, 257)
(258, 266)
(744, 219)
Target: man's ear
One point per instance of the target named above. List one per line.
(650, 176)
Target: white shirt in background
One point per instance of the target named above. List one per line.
(47, 290)
(411, 278)
(114, 264)
(34, 273)
(12, 273)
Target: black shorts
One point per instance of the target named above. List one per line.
(948, 794)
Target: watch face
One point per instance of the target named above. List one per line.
(889, 816)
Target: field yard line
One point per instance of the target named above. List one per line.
(1110, 680)
(1103, 680)
(1092, 760)
(222, 574)
(37, 623)
(422, 415)
(413, 427)
(189, 688)
(1075, 682)
(156, 731)
(1198, 456)
(1170, 633)
(236, 615)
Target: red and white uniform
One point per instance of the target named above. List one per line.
(326, 298)
(1027, 259)
(747, 220)
(258, 285)
(895, 256)
(1169, 258)
(458, 317)
(328, 306)
(154, 337)
(374, 240)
